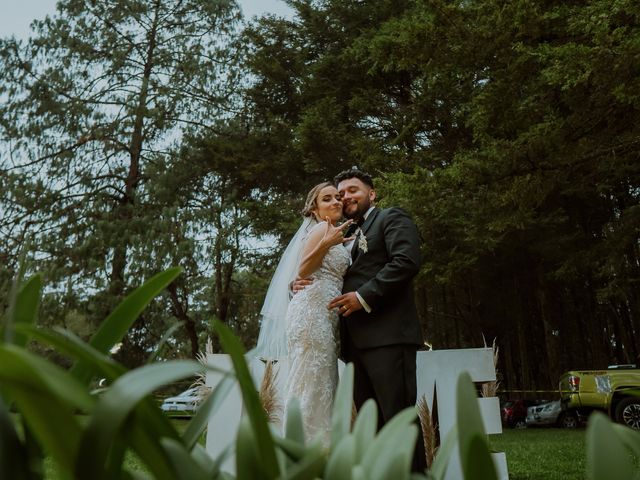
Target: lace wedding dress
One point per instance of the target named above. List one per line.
(311, 340)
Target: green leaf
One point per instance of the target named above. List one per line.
(294, 427)
(631, 438)
(248, 464)
(342, 406)
(185, 467)
(607, 455)
(13, 454)
(143, 436)
(294, 450)
(25, 310)
(211, 466)
(393, 466)
(394, 461)
(396, 438)
(116, 325)
(364, 428)
(310, 465)
(36, 404)
(439, 468)
(167, 335)
(21, 369)
(68, 343)
(475, 455)
(253, 406)
(117, 403)
(342, 459)
(200, 420)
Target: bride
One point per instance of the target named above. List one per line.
(304, 328)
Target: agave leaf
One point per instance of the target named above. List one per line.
(607, 455)
(392, 438)
(393, 466)
(358, 473)
(185, 467)
(342, 459)
(253, 406)
(116, 325)
(294, 450)
(394, 461)
(310, 466)
(116, 404)
(200, 420)
(25, 310)
(342, 406)
(294, 428)
(631, 438)
(364, 428)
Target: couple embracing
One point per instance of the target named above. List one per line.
(354, 278)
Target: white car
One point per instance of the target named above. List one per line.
(186, 401)
(549, 414)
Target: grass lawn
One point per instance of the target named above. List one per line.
(543, 453)
(532, 454)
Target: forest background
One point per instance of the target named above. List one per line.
(136, 135)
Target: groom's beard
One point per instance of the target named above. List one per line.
(359, 212)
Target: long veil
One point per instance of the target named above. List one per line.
(272, 339)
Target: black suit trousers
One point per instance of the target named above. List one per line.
(387, 374)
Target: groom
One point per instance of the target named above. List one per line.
(379, 329)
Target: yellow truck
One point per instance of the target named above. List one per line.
(615, 391)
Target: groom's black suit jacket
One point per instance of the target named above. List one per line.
(383, 277)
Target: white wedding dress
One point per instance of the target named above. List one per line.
(311, 340)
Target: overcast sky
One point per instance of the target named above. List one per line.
(16, 15)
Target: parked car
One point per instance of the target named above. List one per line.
(186, 401)
(615, 391)
(514, 412)
(550, 414)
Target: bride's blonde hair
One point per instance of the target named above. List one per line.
(311, 204)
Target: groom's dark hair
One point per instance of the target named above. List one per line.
(353, 172)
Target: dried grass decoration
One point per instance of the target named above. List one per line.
(269, 394)
(490, 389)
(429, 425)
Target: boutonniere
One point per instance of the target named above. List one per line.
(362, 242)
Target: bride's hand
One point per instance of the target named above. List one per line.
(335, 235)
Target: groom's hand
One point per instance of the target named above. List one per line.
(346, 304)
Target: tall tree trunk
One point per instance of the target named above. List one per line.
(125, 207)
(550, 340)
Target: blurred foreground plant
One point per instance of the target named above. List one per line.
(88, 435)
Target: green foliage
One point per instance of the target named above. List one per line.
(613, 451)
(509, 130)
(95, 104)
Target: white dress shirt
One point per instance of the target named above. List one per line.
(350, 246)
